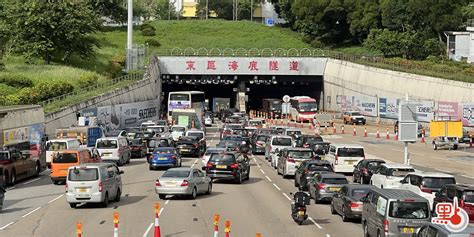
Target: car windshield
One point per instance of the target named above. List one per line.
(265, 132)
(163, 151)
(359, 193)
(351, 152)
(401, 172)
(210, 151)
(255, 123)
(135, 142)
(176, 174)
(262, 138)
(222, 158)
(232, 126)
(199, 135)
(291, 133)
(300, 154)
(468, 196)
(106, 144)
(178, 97)
(56, 146)
(311, 140)
(3, 155)
(334, 181)
(161, 143)
(437, 182)
(308, 106)
(409, 210)
(281, 141)
(374, 164)
(178, 129)
(83, 174)
(229, 143)
(356, 114)
(156, 129)
(65, 158)
(321, 149)
(315, 167)
(233, 138)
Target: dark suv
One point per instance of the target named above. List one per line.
(464, 193)
(189, 146)
(228, 166)
(364, 170)
(306, 170)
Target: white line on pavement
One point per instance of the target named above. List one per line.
(148, 230)
(29, 213)
(194, 163)
(467, 176)
(276, 186)
(314, 222)
(31, 181)
(327, 235)
(287, 197)
(167, 201)
(161, 210)
(7, 225)
(268, 178)
(263, 172)
(56, 198)
(10, 188)
(466, 163)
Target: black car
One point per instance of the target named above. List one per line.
(259, 143)
(364, 169)
(307, 141)
(347, 202)
(228, 166)
(137, 148)
(189, 146)
(229, 145)
(306, 170)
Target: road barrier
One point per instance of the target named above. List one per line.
(116, 222)
(258, 235)
(216, 225)
(388, 135)
(396, 136)
(422, 137)
(342, 129)
(79, 229)
(334, 131)
(157, 220)
(326, 128)
(378, 133)
(365, 132)
(227, 229)
(354, 133)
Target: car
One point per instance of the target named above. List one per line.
(229, 145)
(200, 135)
(228, 166)
(93, 183)
(116, 133)
(307, 141)
(208, 121)
(293, 132)
(426, 184)
(158, 129)
(258, 123)
(322, 187)
(64, 159)
(233, 137)
(251, 131)
(189, 146)
(464, 193)
(259, 143)
(159, 142)
(343, 157)
(137, 148)
(164, 157)
(346, 202)
(162, 122)
(353, 117)
(2, 189)
(17, 165)
(178, 131)
(291, 159)
(114, 149)
(275, 143)
(306, 170)
(431, 229)
(227, 129)
(242, 132)
(364, 169)
(277, 129)
(389, 175)
(209, 152)
(145, 135)
(183, 181)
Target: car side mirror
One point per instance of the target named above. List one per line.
(355, 166)
(121, 172)
(402, 181)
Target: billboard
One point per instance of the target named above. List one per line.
(468, 115)
(388, 108)
(366, 105)
(448, 109)
(424, 110)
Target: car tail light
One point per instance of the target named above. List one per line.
(322, 186)
(196, 145)
(185, 183)
(336, 160)
(354, 205)
(305, 145)
(291, 160)
(209, 165)
(100, 186)
(425, 190)
(461, 203)
(174, 157)
(385, 226)
(66, 187)
(234, 166)
(157, 183)
(365, 170)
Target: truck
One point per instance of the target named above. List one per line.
(86, 135)
(270, 105)
(22, 142)
(188, 118)
(219, 104)
(446, 133)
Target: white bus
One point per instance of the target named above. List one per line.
(185, 100)
(303, 108)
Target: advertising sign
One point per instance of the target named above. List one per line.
(16, 135)
(126, 115)
(179, 105)
(468, 115)
(365, 105)
(388, 108)
(448, 109)
(425, 111)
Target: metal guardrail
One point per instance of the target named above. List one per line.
(129, 77)
(413, 67)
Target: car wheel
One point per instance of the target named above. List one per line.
(435, 147)
(296, 183)
(455, 147)
(366, 230)
(248, 175)
(162, 196)
(37, 169)
(118, 196)
(55, 182)
(239, 178)
(105, 203)
(13, 178)
(381, 186)
(194, 193)
(209, 188)
(344, 216)
(120, 162)
(333, 211)
(73, 205)
(6, 178)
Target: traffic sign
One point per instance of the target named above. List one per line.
(286, 98)
(269, 22)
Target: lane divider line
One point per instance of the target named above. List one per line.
(467, 176)
(287, 197)
(56, 198)
(315, 223)
(276, 186)
(263, 172)
(33, 180)
(31, 212)
(268, 178)
(148, 230)
(167, 201)
(161, 210)
(7, 225)
(195, 162)
(327, 235)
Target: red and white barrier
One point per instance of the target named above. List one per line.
(216, 225)
(116, 222)
(157, 220)
(354, 133)
(365, 132)
(79, 229)
(388, 135)
(378, 134)
(227, 229)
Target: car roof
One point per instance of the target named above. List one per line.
(188, 138)
(397, 166)
(165, 148)
(432, 174)
(399, 194)
(347, 145)
(215, 149)
(90, 165)
(299, 149)
(332, 175)
(62, 140)
(372, 160)
(180, 169)
(281, 136)
(461, 186)
(360, 186)
(319, 162)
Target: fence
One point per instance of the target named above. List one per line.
(410, 66)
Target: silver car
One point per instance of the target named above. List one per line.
(183, 181)
(93, 183)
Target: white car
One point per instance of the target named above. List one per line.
(208, 121)
(178, 131)
(291, 159)
(275, 143)
(114, 149)
(389, 175)
(343, 157)
(426, 184)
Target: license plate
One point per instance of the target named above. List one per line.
(162, 158)
(408, 230)
(106, 154)
(82, 190)
(350, 162)
(334, 189)
(170, 183)
(300, 213)
(221, 166)
(184, 150)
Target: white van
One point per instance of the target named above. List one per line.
(114, 149)
(57, 145)
(343, 157)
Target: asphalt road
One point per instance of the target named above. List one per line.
(36, 207)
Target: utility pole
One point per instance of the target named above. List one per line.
(251, 10)
(207, 9)
(129, 35)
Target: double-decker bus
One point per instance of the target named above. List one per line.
(303, 108)
(185, 100)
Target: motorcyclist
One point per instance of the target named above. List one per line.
(300, 200)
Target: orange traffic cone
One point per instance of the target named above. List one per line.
(378, 133)
(354, 133)
(365, 132)
(388, 135)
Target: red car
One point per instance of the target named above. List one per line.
(465, 194)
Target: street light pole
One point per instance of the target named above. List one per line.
(251, 10)
(207, 9)
(129, 34)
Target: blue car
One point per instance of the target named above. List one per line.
(164, 157)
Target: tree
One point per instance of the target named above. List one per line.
(165, 10)
(364, 17)
(112, 9)
(53, 30)
(224, 9)
(283, 9)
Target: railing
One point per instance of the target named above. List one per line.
(410, 66)
(129, 77)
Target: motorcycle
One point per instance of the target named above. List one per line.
(298, 207)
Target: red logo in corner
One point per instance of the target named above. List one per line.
(450, 215)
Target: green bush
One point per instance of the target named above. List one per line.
(86, 80)
(148, 32)
(2, 66)
(116, 66)
(307, 39)
(53, 89)
(146, 25)
(153, 42)
(6, 89)
(14, 80)
(28, 96)
(317, 44)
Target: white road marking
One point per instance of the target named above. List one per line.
(161, 210)
(7, 225)
(467, 176)
(263, 172)
(148, 230)
(167, 201)
(194, 163)
(466, 163)
(315, 223)
(31, 212)
(268, 178)
(276, 186)
(327, 235)
(10, 188)
(287, 197)
(33, 180)
(56, 198)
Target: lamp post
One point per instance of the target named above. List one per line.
(129, 34)
(251, 10)
(207, 9)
